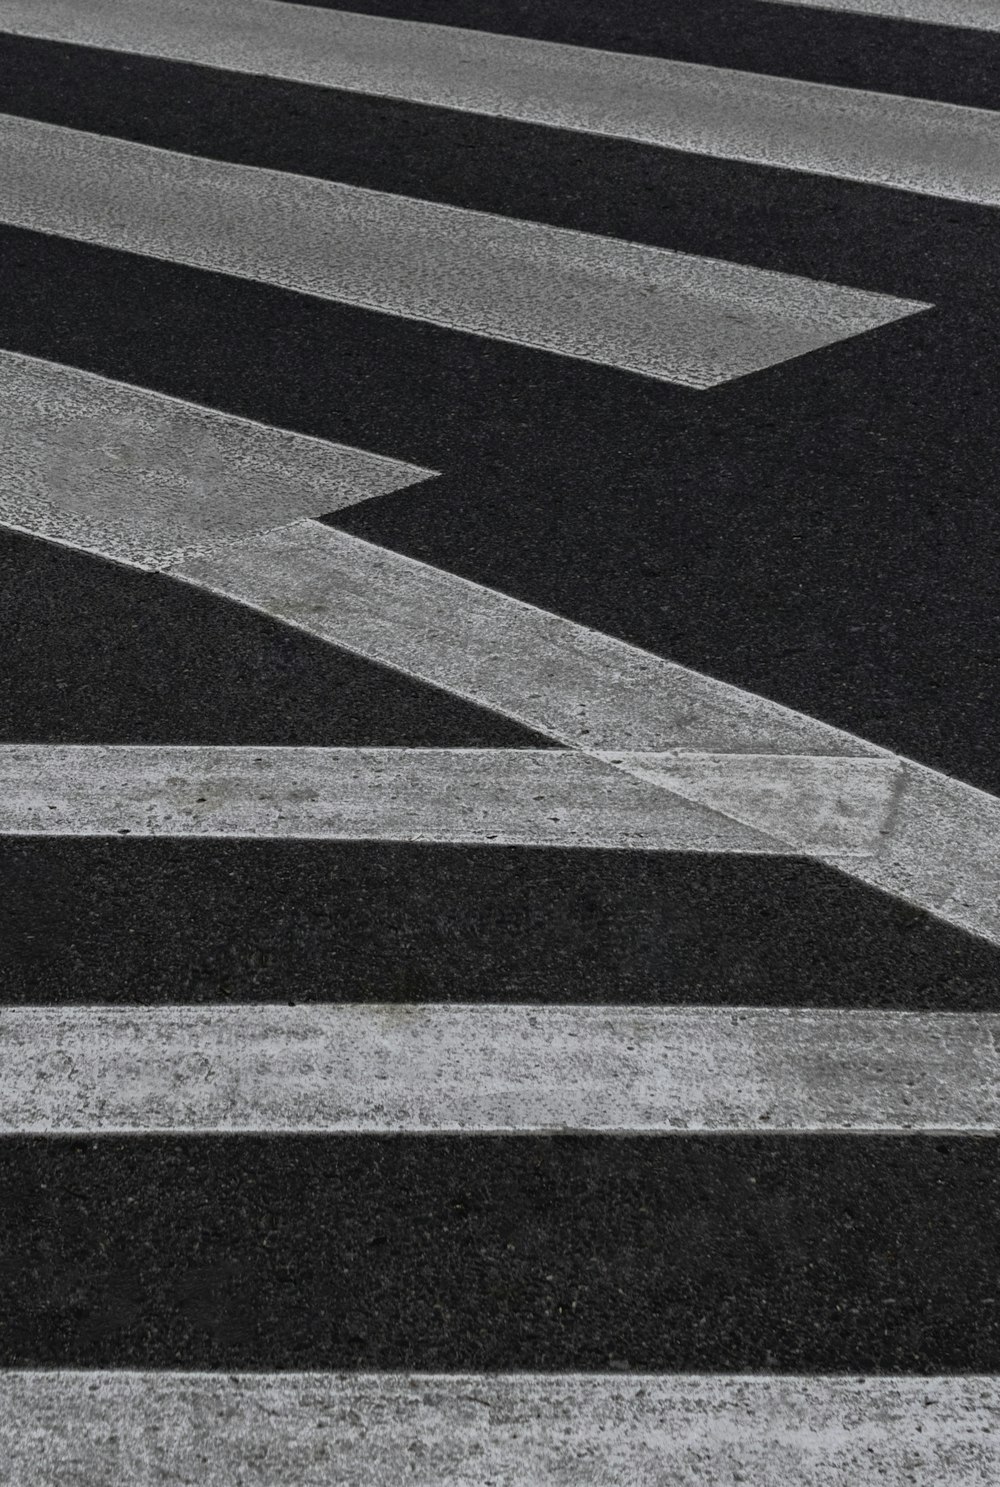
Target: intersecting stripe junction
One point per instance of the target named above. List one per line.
(507, 796)
(693, 321)
(305, 1430)
(480, 1069)
(912, 144)
(895, 825)
(929, 838)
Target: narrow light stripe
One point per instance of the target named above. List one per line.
(672, 316)
(531, 797)
(972, 15)
(933, 840)
(143, 478)
(494, 1069)
(106, 1428)
(917, 145)
(574, 684)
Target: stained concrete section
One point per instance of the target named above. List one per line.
(571, 682)
(532, 797)
(494, 1069)
(975, 15)
(910, 143)
(671, 316)
(143, 478)
(102, 1429)
(816, 804)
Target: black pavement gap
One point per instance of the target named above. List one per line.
(798, 1254)
(165, 922)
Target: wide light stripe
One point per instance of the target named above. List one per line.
(144, 478)
(973, 15)
(933, 840)
(482, 1069)
(531, 797)
(694, 321)
(107, 1428)
(937, 148)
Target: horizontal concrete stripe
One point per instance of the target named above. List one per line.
(932, 839)
(101, 1429)
(143, 478)
(976, 15)
(667, 315)
(532, 797)
(494, 1069)
(918, 145)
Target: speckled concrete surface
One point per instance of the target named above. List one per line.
(306, 1430)
(476, 1069)
(911, 144)
(624, 305)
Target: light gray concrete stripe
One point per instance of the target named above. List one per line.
(973, 15)
(482, 1069)
(936, 148)
(933, 840)
(694, 321)
(570, 682)
(110, 1428)
(531, 797)
(143, 478)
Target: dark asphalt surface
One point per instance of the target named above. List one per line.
(826, 533)
(97, 921)
(788, 1254)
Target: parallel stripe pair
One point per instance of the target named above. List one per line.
(911, 144)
